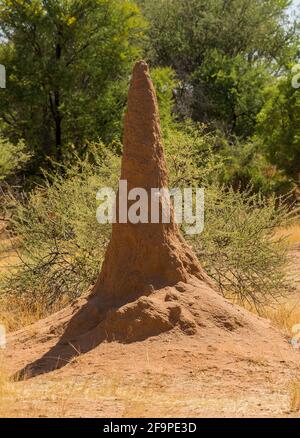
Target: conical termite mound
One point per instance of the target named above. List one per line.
(151, 281)
(144, 256)
(141, 258)
(151, 284)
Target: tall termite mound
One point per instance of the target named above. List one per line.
(130, 299)
(145, 256)
(151, 283)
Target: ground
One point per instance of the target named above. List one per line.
(155, 379)
(164, 376)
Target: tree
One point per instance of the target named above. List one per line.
(222, 50)
(67, 65)
(229, 91)
(279, 126)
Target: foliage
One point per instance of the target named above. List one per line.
(67, 66)
(165, 83)
(191, 154)
(181, 32)
(245, 165)
(229, 91)
(200, 157)
(60, 244)
(223, 51)
(279, 126)
(12, 157)
(238, 248)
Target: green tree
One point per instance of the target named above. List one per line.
(222, 50)
(279, 126)
(181, 32)
(229, 91)
(67, 65)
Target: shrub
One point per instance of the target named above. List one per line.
(12, 157)
(61, 245)
(245, 164)
(191, 155)
(238, 247)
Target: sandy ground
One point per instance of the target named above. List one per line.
(156, 378)
(164, 376)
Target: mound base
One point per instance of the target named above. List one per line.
(185, 313)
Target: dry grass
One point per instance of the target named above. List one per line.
(14, 313)
(295, 396)
(62, 398)
(285, 315)
(127, 397)
(8, 255)
(290, 233)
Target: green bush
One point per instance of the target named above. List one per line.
(12, 157)
(61, 245)
(191, 155)
(245, 164)
(238, 247)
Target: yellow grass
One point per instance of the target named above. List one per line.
(120, 396)
(295, 396)
(285, 315)
(14, 313)
(291, 233)
(115, 396)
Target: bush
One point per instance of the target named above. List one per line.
(61, 245)
(238, 248)
(191, 155)
(12, 157)
(245, 165)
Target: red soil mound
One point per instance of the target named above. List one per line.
(151, 283)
